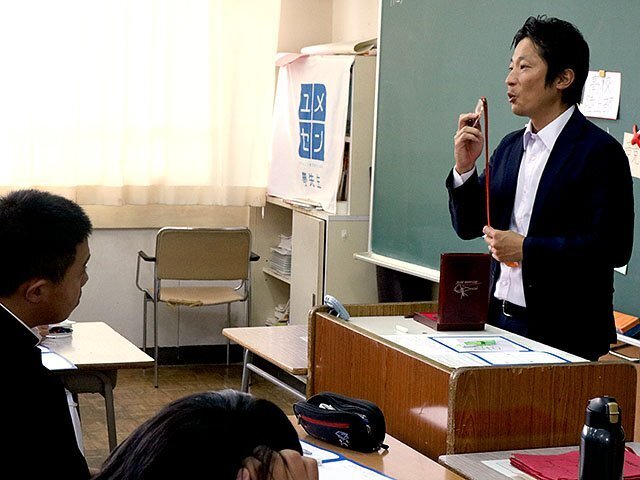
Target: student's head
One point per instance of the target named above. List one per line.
(562, 47)
(43, 254)
(205, 435)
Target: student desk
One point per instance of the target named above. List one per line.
(438, 409)
(470, 465)
(626, 340)
(99, 352)
(400, 461)
(284, 347)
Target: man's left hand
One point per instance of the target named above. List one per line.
(504, 245)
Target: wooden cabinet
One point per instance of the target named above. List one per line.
(323, 244)
(307, 265)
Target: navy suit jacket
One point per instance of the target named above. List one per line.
(581, 228)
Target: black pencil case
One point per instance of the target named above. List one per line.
(343, 421)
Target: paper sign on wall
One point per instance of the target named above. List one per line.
(601, 97)
(633, 153)
(310, 117)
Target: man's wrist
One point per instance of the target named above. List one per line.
(459, 179)
(463, 172)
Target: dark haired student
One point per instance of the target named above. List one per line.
(224, 435)
(43, 254)
(561, 199)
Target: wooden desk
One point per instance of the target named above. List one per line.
(284, 347)
(98, 351)
(626, 341)
(470, 465)
(400, 461)
(442, 410)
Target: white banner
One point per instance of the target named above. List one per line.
(309, 125)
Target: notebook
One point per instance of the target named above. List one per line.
(463, 300)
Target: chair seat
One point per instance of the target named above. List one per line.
(199, 296)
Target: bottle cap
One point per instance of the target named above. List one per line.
(603, 412)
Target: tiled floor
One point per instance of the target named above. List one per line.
(136, 399)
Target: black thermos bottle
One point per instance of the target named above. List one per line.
(602, 441)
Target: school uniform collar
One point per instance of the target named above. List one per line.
(21, 331)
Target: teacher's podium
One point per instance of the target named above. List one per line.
(446, 404)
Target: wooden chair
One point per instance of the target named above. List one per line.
(203, 254)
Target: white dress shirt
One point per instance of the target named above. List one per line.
(537, 148)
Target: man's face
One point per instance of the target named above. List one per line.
(65, 295)
(526, 90)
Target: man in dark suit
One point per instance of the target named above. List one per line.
(561, 199)
(43, 255)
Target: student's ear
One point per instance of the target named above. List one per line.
(35, 290)
(565, 79)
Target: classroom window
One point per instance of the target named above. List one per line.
(114, 102)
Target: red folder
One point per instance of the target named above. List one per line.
(564, 466)
(463, 299)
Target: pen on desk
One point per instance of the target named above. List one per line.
(402, 329)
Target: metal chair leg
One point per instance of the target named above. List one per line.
(228, 325)
(155, 342)
(144, 322)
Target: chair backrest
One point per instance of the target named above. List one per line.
(184, 253)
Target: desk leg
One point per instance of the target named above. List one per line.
(111, 414)
(92, 381)
(246, 373)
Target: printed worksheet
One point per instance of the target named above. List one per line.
(348, 470)
(319, 454)
(480, 343)
(426, 346)
(519, 358)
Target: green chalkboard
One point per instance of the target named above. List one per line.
(436, 58)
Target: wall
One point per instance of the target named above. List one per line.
(355, 19)
(304, 22)
(110, 295)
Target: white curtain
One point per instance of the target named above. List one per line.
(138, 101)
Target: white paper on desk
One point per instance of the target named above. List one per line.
(505, 468)
(348, 470)
(601, 97)
(318, 453)
(53, 361)
(464, 344)
(426, 346)
(518, 358)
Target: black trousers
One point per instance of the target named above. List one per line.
(508, 316)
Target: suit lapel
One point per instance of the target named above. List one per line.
(560, 154)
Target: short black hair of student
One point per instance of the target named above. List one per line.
(39, 233)
(562, 46)
(203, 435)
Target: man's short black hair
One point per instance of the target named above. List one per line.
(39, 233)
(562, 46)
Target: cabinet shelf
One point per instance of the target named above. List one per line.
(272, 273)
